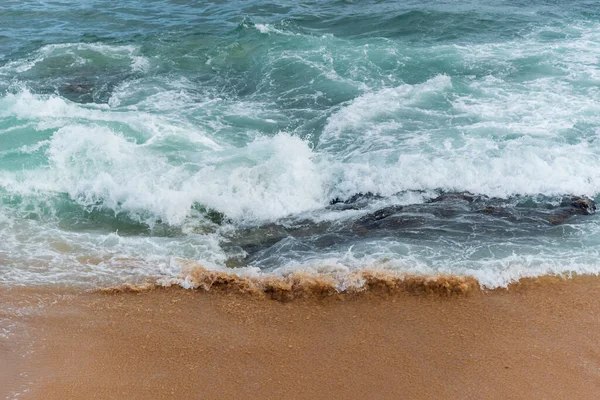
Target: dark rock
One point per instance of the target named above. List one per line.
(355, 202)
(462, 196)
(328, 240)
(557, 219)
(380, 214)
(580, 205)
(570, 206)
(455, 215)
(78, 88)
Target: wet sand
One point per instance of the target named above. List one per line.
(539, 339)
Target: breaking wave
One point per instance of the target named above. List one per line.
(299, 285)
(122, 153)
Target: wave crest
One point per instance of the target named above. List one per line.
(302, 285)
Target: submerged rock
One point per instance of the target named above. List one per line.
(380, 214)
(354, 202)
(580, 205)
(462, 196)
(448, 214)
(572, 205)
(78, 88)
(79, 92)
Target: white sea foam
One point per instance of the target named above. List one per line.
(276, 176)
(369, 110)
(268, 28)
(79, 54)
(498, 274)
(96, 165)
(262, 28)
(34, 253)
(160, 147)
(477, 156)
(52, 112)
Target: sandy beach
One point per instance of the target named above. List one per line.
(299, 200)
(538, 339)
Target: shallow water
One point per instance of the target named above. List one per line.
(137, 138)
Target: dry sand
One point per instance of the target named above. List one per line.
(539, 339)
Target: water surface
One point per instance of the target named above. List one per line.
(136, 137)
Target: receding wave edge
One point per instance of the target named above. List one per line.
(299, 285)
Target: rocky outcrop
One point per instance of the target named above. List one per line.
(462, 213)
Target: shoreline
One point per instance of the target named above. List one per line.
(303, 284)
(537, 338)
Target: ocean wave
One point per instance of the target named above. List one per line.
(124, 153)
(273, 177)
(500, 143)
(305, 285)
(77, 55)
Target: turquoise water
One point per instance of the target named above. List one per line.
(138, 136)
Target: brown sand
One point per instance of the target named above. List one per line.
(540, 339)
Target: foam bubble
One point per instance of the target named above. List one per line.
(268, 28)
(262, 28)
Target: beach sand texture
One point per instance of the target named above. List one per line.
(538, 339)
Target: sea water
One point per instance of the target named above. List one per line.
(138, 137)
